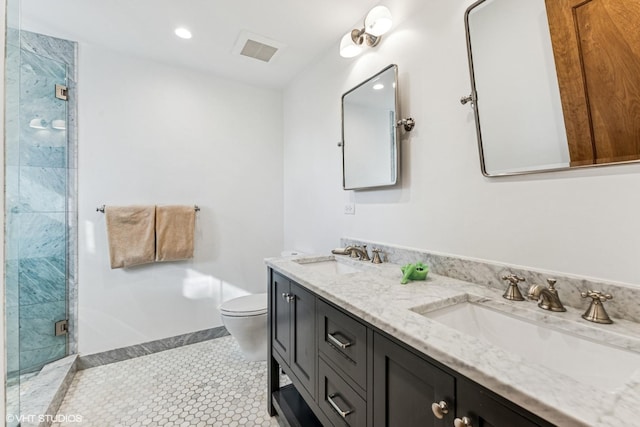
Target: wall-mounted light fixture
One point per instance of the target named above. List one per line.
(376, 23)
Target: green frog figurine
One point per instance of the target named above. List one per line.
(417, 271)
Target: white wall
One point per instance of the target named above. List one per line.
(154, 134)
(582, 222)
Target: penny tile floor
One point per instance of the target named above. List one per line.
(204, 384)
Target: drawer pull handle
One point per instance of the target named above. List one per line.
(335, 406)
(288, 297)
(335, 341)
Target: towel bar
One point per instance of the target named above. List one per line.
(101, 208)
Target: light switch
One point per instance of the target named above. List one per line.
(350, 209)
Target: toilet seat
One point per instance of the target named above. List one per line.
(249, 305)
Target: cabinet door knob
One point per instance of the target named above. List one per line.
(462, 422)
(335, 341)
(335, 406)
(288, 297)
(440, 409)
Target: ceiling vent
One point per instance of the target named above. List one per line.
(257, 50)
(257, 47)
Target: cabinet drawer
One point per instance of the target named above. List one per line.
(343, 340)
(339, 402)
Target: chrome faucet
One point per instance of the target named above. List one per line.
(548, 296)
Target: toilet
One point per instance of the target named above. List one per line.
(246, 320)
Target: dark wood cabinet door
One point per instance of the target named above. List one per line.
(303, 357)
(405, 386)
(281, 315)
(487, 410)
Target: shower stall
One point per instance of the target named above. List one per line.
(40, 205)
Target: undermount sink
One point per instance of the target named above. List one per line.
(328, 266)
(589, 362)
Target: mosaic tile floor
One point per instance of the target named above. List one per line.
(204, 384)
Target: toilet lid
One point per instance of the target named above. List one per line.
(250, 305)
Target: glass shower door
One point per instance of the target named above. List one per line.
(12, 314)
(36, 197)
(40, 206)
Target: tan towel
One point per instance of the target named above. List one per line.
(131, 232)
(174, 232)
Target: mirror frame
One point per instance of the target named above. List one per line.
(473, 100)
(396, 158)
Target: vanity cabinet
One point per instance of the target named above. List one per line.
(346, 372)
(483, 408)
(342, 340)
(342, 385)
(338, 399)
(293, 330)
(405, 385)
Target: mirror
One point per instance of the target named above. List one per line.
(554, 83)
(369, 135)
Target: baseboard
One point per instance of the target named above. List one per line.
(125, 353)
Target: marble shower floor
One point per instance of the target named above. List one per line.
(203, 384)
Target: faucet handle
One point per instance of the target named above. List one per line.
(365, 253)
(513, 292)
(513, 278)
(596, 312)
(596, 295)
(376, 256)
(354, 251)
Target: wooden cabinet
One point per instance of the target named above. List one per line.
(405, 386)
(342, 340)
(280, 308)
(346, 372)
(304, 353)
(339, 401)
(342, 371)
(293, 330)
(483, 408)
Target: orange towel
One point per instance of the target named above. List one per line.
(175, 226)
(131, 234)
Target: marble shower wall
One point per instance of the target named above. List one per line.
(41, 229)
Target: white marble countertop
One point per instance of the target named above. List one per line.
(376, 296)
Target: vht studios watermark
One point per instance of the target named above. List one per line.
(44, 418)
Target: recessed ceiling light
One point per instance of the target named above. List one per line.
(378, 86)
(183, 33)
